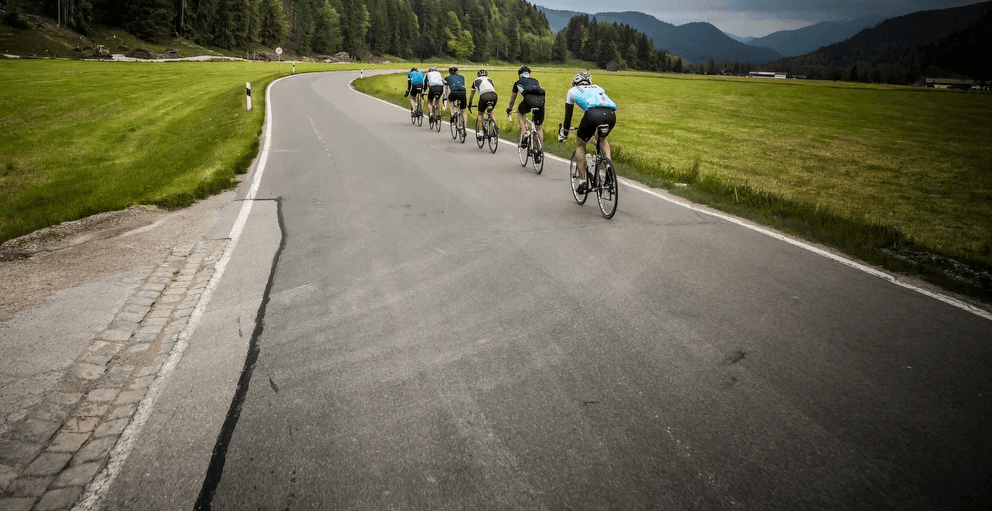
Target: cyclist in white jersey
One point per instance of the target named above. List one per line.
(599, 109)
(434, 83)
(487, 98)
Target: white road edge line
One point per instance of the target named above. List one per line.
(98, 488)
(801, 244)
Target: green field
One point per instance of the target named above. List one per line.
(869, 169)
(78, 138)
(872, 170)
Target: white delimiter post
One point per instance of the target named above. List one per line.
(248, 92)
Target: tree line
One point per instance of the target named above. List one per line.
(478, 30)
(606, 43)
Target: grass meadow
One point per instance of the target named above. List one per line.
(876, 171)
(79, 138)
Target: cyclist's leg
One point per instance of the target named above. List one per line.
(580, 157)
(521, 120)
(539, 119)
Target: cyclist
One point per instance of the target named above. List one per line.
(533, 97)
(599, 109)
(487, 98)
(435, 84)
(414, 87)
(454, 85)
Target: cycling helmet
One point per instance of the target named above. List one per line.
(432, 69)
(414, 68)
(452, 69)
(523, 70)
(482, 72)
(582, 78)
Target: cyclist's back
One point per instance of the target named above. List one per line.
(532, 95)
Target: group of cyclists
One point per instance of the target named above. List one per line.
(597, 106)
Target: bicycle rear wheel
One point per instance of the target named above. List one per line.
(437, 123)
(573, 173)
(453, 126)
(481, 141)
(420, 114)
(523, 152)
(493, 136)
(608, 188)
(462, 134)
(538, 161)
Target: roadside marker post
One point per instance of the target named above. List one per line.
(248, 93)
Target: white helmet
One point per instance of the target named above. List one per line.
(582, 78)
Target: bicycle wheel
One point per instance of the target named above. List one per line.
(462, 134)
(453, 127)
(413, 116)
(538, 161)
(480, 140)
(607, 188)
(420, 114)
(573, 173)
(493, 135)
(437, 123)
(523, 151)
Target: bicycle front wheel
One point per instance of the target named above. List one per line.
(573, 173)
(608, 188)
(538, 161)
(523, 151)
(493, 136)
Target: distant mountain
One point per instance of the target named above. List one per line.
(903, 49)
(693, 42)
(743, 39)
(558, 20)
(791, 43)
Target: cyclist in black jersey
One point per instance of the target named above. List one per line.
(533, 97)
(454, 85)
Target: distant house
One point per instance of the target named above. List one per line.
(767, 74)
(951, 83)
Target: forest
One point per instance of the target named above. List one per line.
(478, 30)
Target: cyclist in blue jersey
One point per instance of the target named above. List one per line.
(414, 87)
(599, 109)
(454, 85)
(434, 83)
(533, 97)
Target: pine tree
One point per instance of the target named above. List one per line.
(273, 27)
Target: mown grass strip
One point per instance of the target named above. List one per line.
(878, 172)
(78, 138)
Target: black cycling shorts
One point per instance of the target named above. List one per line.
(458, 98)
(487, 100)
(416, 89)
(593, 118)
(436, 91)
(533, 101)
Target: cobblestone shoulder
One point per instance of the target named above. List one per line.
(50, 456)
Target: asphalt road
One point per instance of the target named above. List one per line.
(443, 329)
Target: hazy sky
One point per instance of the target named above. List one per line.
(755, 17)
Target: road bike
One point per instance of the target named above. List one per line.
(530, 145)
(435, 120)
(600, 176)
(490, 132)
(417, 113)
(457, 123)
